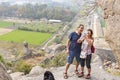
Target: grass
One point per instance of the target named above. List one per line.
(5, 24)
(34, 38)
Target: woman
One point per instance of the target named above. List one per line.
(87, 42)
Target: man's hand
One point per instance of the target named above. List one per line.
(67, 51)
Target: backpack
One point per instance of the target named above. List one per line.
(48, 76)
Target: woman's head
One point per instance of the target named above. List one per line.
(89, 32)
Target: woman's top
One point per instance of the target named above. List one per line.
(86, 47)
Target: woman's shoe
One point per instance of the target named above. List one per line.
(88, 76)
(81, 74)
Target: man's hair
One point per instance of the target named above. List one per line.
(80, 25)
(48, 76)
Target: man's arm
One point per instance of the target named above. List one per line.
(68, 45)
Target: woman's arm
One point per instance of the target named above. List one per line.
(90, 42)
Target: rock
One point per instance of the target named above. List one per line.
(9, 71)
(16, 75)
(37, 70)
(111, 10)
(27, 51)
(53, 49)
(113, 65)
(3, 73)
(107, 63)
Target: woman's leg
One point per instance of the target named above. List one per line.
(88, 64)
(82, 62)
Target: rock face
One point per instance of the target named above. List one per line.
(37, 70)
(112, 17)
(3, 73)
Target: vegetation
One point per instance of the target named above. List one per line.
(23, 67)
(5, 24)
(35, 38)
(41, 27)
(58, 60)
(1, 59)
(36, 12)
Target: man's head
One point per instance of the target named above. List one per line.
(80, 28)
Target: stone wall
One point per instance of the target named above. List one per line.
(111, 10)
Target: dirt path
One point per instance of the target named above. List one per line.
(4, 31)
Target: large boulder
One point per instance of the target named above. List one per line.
(3, 73)
(16, 75)
(37, 70)
(111, 10)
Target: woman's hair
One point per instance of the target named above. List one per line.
(90, 32)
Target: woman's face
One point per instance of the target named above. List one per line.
(89, 33)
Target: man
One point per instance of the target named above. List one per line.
(74, 49)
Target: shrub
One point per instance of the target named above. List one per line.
(56, 61)
(22, 66)
(57, 40)
(1, 59)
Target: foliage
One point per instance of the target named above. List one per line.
(5, 24)
(56, 61)
(42, 53)
(37, 11)
(40, 27)
(22, 66)
(57, 40)
(1, 59)
(35, 38)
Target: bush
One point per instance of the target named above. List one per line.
(22, 66)
(42, 53)
(57, 40)
(1, 59)
(58, 60)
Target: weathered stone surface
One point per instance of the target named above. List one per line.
(37, 70)
(112, 31)
(3, 73)
(16, 75)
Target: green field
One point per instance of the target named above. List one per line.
(34, 38)
(5, 24)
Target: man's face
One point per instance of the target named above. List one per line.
(80, 29)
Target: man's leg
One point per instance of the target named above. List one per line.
(67, 67)
(70, 60)
(77, 64)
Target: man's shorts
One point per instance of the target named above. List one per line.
(71, 56)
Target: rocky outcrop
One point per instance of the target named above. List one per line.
(111, 10)
(3, 73)
(37, 70)
(53, 49)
